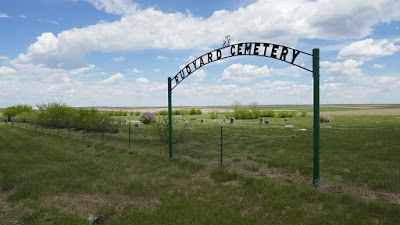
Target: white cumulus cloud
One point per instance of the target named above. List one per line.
(369, 49)
(7, 70)
(82, 70)
(199, 76)
(291, 21)
(378, 66)
(113, 79)
(3, 15)
(115, 6)
(387, 80)
(160, 57)
(142, 81)
(245, 73)
(348, 71)
(118, 59)
(137, 71)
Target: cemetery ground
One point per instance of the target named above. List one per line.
(55, 177)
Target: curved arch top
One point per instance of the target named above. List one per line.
(269, 50)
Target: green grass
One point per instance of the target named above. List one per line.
(265, 177)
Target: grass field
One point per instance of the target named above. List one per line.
(265, 177)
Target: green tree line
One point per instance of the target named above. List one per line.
(60, 115)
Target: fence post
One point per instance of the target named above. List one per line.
(170, 118)
(83, 131)
(222, 145)
(102, 134)
(129, 136)
(316, 134)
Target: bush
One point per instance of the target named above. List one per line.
(181, 112)
(303, 114)
(162, 112)
(195, 112)
(325, 119)
(214, 115)
(243, 114)
(13, 111)
(286, 114)
(148, 117)
(161, 129)
(55, 114)
(27, 117)
(60, 115)
(137, 113)
(268, 113)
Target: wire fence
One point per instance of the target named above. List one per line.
(358, 157)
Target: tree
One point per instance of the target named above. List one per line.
(254, 106)
(13, 111)
(236, 105)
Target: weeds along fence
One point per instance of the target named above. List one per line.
(357, 153)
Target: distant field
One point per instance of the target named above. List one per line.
(393, 109)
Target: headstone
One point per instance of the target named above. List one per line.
(93, 219)
(224, 121)
(261, 120)
(267, 122)
(202, 121)
(232, 120)
(136, 125)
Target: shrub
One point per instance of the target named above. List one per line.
(27, 117)
(286, 114)
(195, 112)
(60, 115)
(242, 114)
(89, 119)
(303, 114)
(160, 127)
(13, 111)
(120, 113)
(268, 113)
(214, 115)
(162, 112)
(325, 119)
(148, 117)
(54, 114)
(181, 112)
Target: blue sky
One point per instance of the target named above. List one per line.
(121, 52)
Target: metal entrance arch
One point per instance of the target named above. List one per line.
(269, 50)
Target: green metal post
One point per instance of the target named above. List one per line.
(222, 145)
(129, 137)
(102, 134)
(170, 119)
(316, 134)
